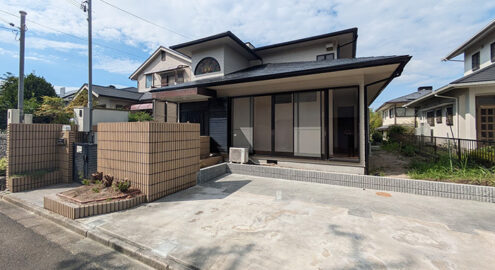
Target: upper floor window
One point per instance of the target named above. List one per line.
(149, 80)
(400, 112)
(207, 65)
(328, 56)
(475, 61)
(180, 77)
(492, 51)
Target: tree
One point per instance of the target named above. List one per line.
(52, 110)
(35, 88)
(81, 100)
(140, 117)
(375, 121)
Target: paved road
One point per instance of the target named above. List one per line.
(28, 241)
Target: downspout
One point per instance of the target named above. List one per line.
(456, 111)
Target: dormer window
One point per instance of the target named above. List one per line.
(207, 65)
(475, 61)
(328, 56)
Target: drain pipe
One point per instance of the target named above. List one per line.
(456, 110)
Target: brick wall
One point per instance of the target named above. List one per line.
(205, 146)
(32, 148)
(157, 158)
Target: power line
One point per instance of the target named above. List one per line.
(74, 36)
(145, 20)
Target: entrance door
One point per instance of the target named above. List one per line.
(486, 122)
(283, 118)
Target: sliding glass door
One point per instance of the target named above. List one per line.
(320, 124)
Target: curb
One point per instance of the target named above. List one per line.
(102, 236)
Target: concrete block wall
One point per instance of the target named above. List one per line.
(33, 148)
(157, 158)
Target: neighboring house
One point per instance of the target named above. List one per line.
(110, 97)
(302, 101)
(393, 112)
(465, 108)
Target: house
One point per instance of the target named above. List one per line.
(464, 108)
(301, 103)
(110, 97)
(393, 112)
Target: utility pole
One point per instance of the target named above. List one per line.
(20, 88)
(89, 10)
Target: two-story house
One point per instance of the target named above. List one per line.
(296, 102)
(393, 112)
(465, 108)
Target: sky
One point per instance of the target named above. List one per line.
(56, 40)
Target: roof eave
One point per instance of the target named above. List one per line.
(470, 41)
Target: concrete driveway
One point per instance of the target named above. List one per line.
(245, 222)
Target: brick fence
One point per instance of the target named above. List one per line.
(33, 150)
(157, 158)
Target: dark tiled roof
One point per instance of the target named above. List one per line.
(123, 93)
(280, 70)
(410, 97)
(482, 75)
(146, 96)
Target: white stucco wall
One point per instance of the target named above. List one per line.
(233, 61)
(483, 46)
(407, 120)
(303, 53)
(111, 103)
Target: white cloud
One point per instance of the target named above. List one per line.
(123, 66)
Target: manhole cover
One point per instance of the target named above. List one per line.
(384, 194)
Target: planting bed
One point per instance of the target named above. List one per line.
(85, 201)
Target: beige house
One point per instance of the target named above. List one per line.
(393, 112)
(163, 68)
(111, 97)
(301, 102)
(465, 108)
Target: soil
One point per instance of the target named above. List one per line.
(389, 164)
(86, 194)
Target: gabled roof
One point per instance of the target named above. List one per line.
(407, 98)
(352, 31)
(282, 70)
(227, 34)
(129, 93)
(478, 36)
(155, 54)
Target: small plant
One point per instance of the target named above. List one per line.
(97, 182)
(107, 181)
(97, 176)
(122, 186)
(96, 190)
(86, 182)
(3, 165)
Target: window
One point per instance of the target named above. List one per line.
(164, 56)
(430, 118)
(149, 80)
(328, 56)
(207, 65)
(400, 112)
(492, 51)
(438, 116)
(180, 77)
(391, 112)
(449, 111)
(385, 114)
(475, 61)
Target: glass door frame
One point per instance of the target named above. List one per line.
(324, 124)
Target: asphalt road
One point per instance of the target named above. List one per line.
(28, 241)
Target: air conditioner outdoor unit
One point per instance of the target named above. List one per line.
(238, 155)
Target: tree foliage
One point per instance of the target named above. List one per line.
(52, 110)
(80, 100)
(35, 88)
(140, 117)
(375, 121)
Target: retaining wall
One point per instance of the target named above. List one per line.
(157, 158)
(420, 187)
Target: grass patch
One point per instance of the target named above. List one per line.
(444, 169)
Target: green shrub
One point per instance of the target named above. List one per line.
(395, 132)
(376, 137)
(408, 150)
(86, 182)
(391, 146)
(140, 117)
(3, 165)
(122, 186)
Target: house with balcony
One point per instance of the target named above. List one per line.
(464, 108)
(393, 112)
(302, 102)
